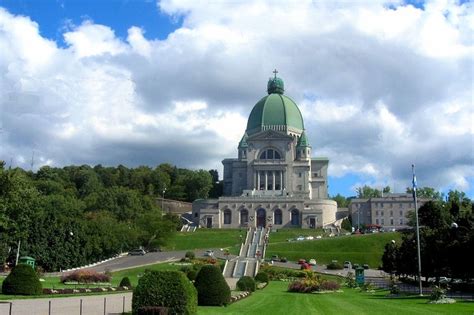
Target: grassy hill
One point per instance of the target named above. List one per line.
(207, 238)
(361, 249)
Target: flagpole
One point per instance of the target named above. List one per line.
(417, 231)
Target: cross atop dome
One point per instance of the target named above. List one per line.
(275, 84)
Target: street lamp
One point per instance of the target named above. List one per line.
(162, 202)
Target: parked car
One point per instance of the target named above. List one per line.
(305, 266)
(312, 262)
(283, 259)
(209, 253)
(347, 264)
(136, 252)
(310, 238)
(275, 258)
(300, 238)
(365, 266)
(302, 261)
(355, 266)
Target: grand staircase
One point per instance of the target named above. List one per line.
(251, 252)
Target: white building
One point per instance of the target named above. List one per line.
(389, 212)
(274, 180)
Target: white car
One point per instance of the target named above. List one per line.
(310, 238)
(209, 253)
(319, 237)
(300, 238)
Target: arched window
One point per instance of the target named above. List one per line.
(244, 216)
(227, 216)
(277, 217)
(295, 217)
(270, 154)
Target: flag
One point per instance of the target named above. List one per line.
(414, 181)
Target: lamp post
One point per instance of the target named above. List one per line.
(162, 202)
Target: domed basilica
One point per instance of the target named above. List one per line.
(274, 181)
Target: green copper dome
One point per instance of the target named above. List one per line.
(275, 111)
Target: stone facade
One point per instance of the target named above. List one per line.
(389, 212)
(273, 181)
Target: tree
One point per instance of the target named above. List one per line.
(426, 192)
(369, 192)
(389, 258)
(342, 202)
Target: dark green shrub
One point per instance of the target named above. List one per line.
(262, 277)
(170, 289)
(335, 266)
(22, 280)
(211, 286)
(153, 310)
(191, 274)
(190, 255)
(246, 283)
(125, 282)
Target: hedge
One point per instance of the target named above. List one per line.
(246, 283)
(262, 277)
(22, 280)
(170, 289)
(211, 286)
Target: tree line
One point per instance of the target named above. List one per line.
(76, 215)
(446, 238)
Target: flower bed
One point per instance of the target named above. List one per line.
(84, 290)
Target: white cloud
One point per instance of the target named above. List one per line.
(380, 85)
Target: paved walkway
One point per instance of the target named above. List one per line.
(91, 305)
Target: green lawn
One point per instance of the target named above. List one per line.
(275, 300)
(133, 274)
(361, 249)
(208, 238)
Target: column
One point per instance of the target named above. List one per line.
(281, 180)
(273, 177)
(258, 180)
(266, 180)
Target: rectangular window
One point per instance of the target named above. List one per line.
(377, 213)
(401, 213)
(270, 181)
(262, 180)
(300, 188)
(381, 205)
(377, 221)
(381, 213)
(382, 221)
(300, 174)
(400, 205)
(277, 181)
(195, 214)
(401, 221)
(391, 213)
(391, 221)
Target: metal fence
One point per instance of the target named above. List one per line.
(413, 289)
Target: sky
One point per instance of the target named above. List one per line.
(382, 85)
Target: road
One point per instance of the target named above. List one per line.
(91, 305)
